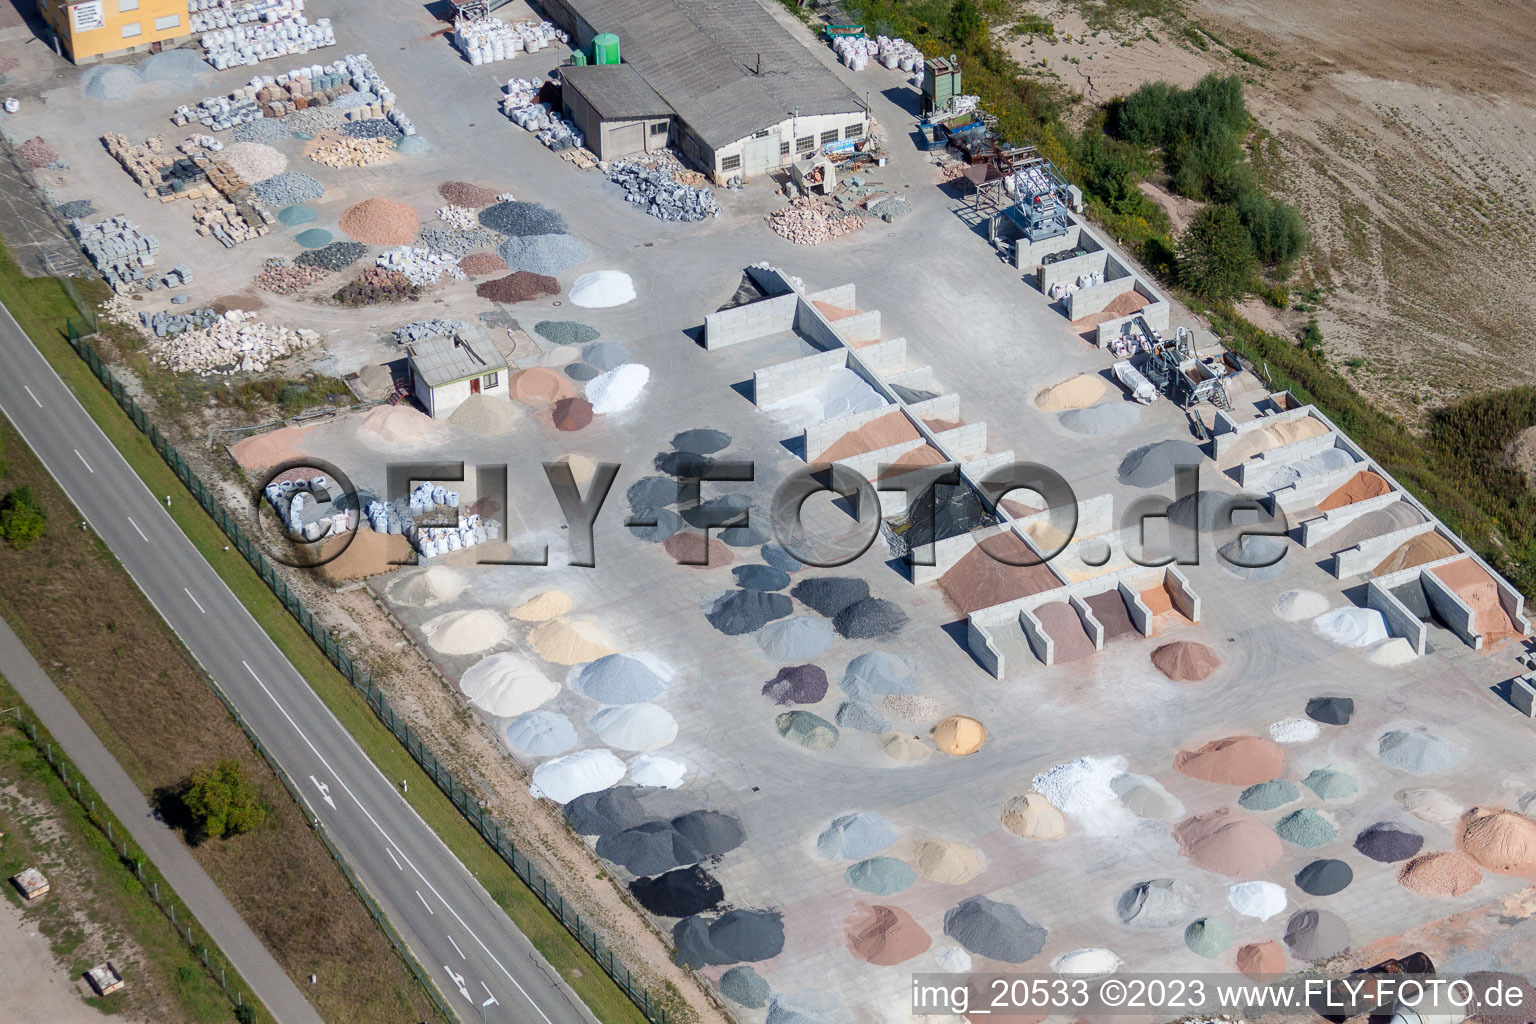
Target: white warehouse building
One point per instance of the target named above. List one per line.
(448, 368)
(745, 97)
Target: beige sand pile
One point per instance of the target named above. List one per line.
(468, 632)
(1364, 484)
(381, 222)
(482, 414)
(368, 554)
(885, 935)
(582, 467)
(1075, 393)
(1233, 761)
(946, 862)
(1185, 661)
(398, 425)
(959, 736)
(1261, 958)
(880, 432)
(1501, 841)
(912, 707)
(543, 607)
(1393, 653)
(1430, 805)
(1478, 589)
(1273, 436)
(898, 746)
(1229, 843)
(1440, 874)
(1034, 817)
(1426, 547)
(275, 446)
(427, 587)
(565, 642)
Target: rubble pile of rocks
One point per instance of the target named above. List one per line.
(421, 267)
(421, 330)
(231, 343)
(656, 191)
(283, 278)
(346, 151)
(807, 221)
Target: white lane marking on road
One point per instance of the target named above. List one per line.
(137, 530)
(455, 946)
(458, 983)
(491, 1001)
(325, 791)
(87, 465)
(195, 600)
(374, 821)
(424, 902)
(392, 857)
(31, 395)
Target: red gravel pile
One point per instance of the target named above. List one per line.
(37, 153)
(571, 413)
(381, 222)
(376, 284)
(464, 193)
(518, 287)
(688, 548)
(479, 264)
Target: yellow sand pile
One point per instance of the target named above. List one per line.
(1034, 817)
(564, 642)
(898, 746)
(398, 424)
(959, 736)
(1076, 393)
(1500, 840)
(946, 862)
(1275, 435)
(543, 607)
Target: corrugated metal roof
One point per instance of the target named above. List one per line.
(703, 57)
(445, 359)
(616, 92)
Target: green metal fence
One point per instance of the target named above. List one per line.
(361, 677)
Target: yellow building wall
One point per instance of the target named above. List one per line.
(90, 29)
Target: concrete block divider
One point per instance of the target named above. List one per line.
(1069, 270)
(1318, 529)
(1040, 641)
(1185, 601)
(1399, 618)
(869, 463)
(862, 326)
(979, 641)
(842, 295)
(1157, 315)
(1226, 440)
(1135, 607)
(1027, 255)
(976, 470)
(1091, 624)
(885, 357)
(967, 441)
(818, 437)
(919, 378)
(1369, 553)
(750, 322)
(1284, 455)
(785, 380)
(944, 407)
(1305, 494)
(946, 553)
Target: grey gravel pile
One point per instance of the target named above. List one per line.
(1418, 753)
(880, 876)
(456, 243)
(870, 619)
(565, 332)
(831, 594)
(861, 717)
(890, 209)
(420, 330)
(618, 679)
(701, 440)
(292, 216)
(288, 188)
(733, 937)
(1324, 877)
(267, 131)
(656, 192)
(777, 556)
(1154, 464)
(795, 639)
(878, 673)
(315, 119)
(542, 254)
(77, 208)
(997, 931)
(1316, 935)
(745, 987)
(738, 612)
(651, 491)
(515, 218)
(1266, 796)
(1109, 418)
(856, 836)
(1255, 557)
(1156, 903)
(760, 577)
(605, 355)
(336, 256)
(667, 523)
(724, 509)
(606, 812)
(581, 372)
(371, 128)
(409, 144)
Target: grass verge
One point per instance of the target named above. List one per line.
(42, 307)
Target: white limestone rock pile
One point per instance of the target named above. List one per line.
(231, 344)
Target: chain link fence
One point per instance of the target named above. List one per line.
(361, 677)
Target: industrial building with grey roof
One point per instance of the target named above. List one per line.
(745, 96)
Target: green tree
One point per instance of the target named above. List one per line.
(966, 23)
(1275, 227)
(1311, 338)
(1216, 259)
(222, 801)
(22, 522)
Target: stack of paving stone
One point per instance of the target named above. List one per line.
(231, 222)
(658, 193)
(345, 151)
(229, 344)
(168, 325)
(421, 330)
(178, 276)
(118, 249)
(300, 89)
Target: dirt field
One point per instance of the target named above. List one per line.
(1404, 133)
(169, 722)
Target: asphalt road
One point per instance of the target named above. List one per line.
(485, 967)
(199, 892)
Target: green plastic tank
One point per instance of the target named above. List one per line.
(579, 57)
(605, 48)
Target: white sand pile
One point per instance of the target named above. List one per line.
(1352, 627)
(427, 587)
(1083, 785)
(1262, 900)
(506, 685)
(1300, 605)
(568, 642)
(1395, 652)
(542, 607)
(566, 778)
(1075, 393)
(840, 393)
(657, 770)
(1294, 730)
(466, 632)
(634, 726)
(398, 425)
(617, 390)
(602, 289)
(1093, 962)
(954, 960)
(488, 416)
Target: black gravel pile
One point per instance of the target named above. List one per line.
(736, 936)
(514, 218)
(738, 612)
(760, 577)
(371, 128)
(606, 812)
(336, 256)
(680, 893)
(1331, 710)
(727, 509)
(869, 619)
(701, 441)
(652, 492)
(1324, 877)
(830, 594)
(1388, 842)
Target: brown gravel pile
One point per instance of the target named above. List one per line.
(571, 413)
(465, 193)
(288, 280)
(381, 222)
(479, 264)
(688, 548)
(1440, 874)
(518, 287)
(376, 284)
(37, 153)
